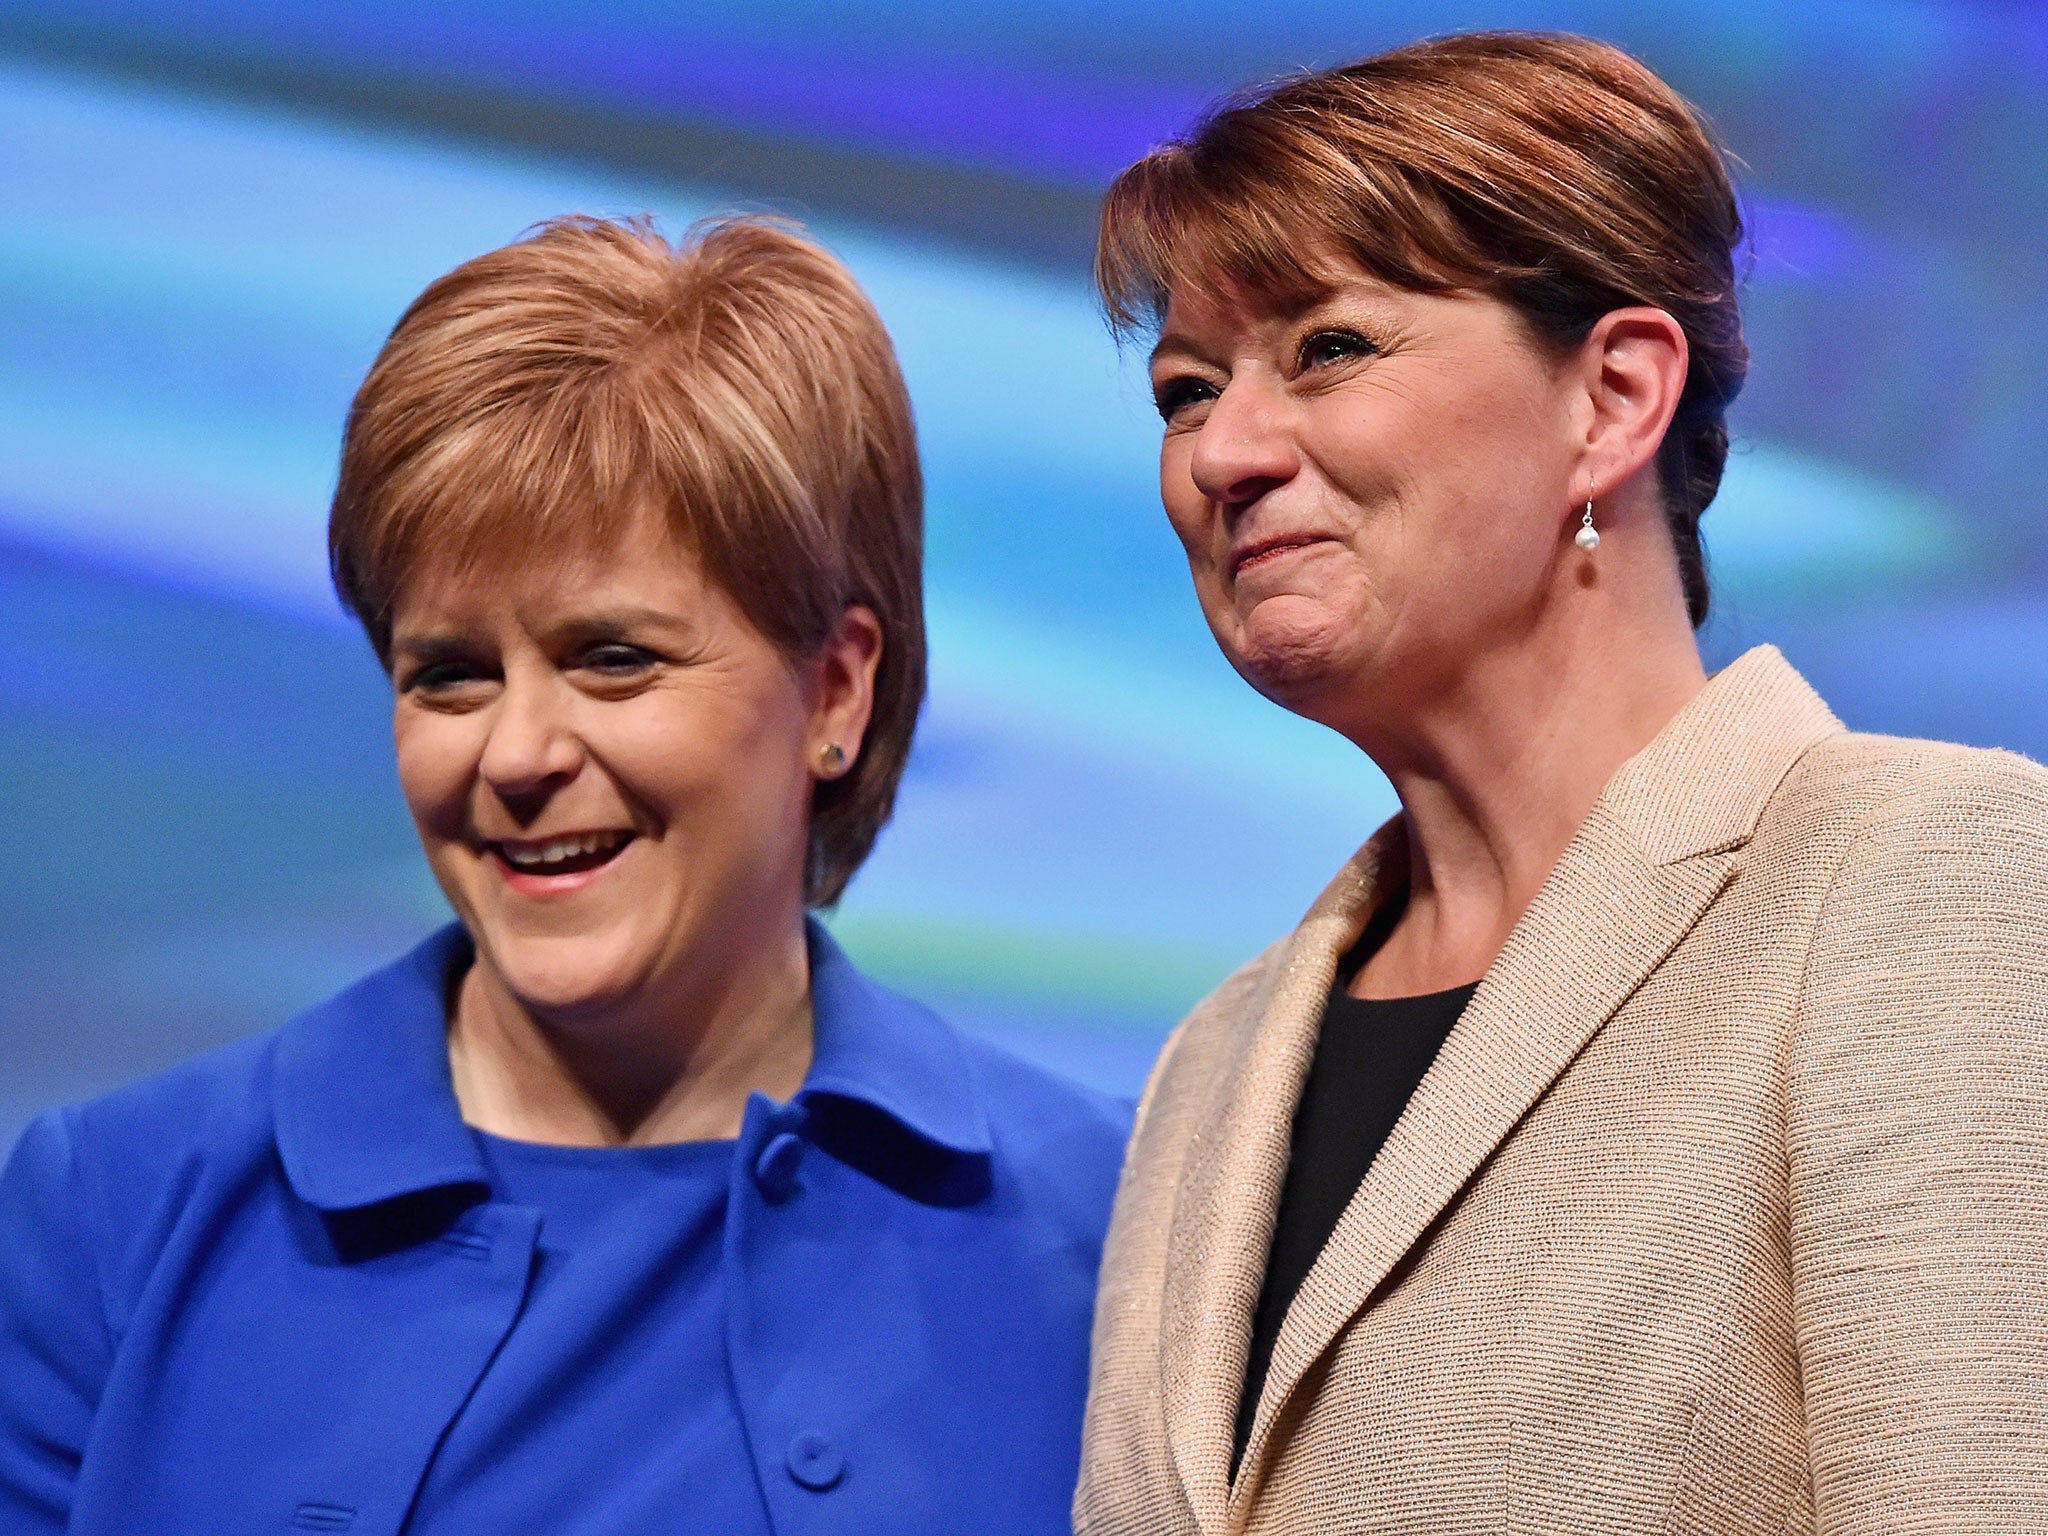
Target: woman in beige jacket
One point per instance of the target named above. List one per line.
(1648, 1130)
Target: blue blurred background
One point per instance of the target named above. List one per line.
(211, 212)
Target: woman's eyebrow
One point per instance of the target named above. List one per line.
(432, 648)
(619, 624)
(1173, 344)
(1313, 303)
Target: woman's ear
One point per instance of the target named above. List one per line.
(843, 680)
(1635, 363)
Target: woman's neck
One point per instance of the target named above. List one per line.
(676, 1067)
(1496, 776)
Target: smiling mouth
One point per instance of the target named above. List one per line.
(574, 853)
(1271, 549)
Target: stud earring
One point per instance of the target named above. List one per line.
(833, 757)
(1588, 537)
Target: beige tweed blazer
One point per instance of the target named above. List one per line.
(1723, 1209)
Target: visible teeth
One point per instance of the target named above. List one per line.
(556, 849)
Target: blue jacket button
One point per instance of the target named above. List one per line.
(775, 1168)
(815, 1461)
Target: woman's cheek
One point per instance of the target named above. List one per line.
(436, 768)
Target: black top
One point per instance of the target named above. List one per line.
(1370, 1055)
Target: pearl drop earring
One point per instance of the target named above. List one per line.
(1588, 537)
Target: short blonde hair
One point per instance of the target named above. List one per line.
(540, 397)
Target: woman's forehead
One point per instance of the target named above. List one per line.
(561, 564)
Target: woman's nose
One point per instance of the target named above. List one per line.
(1242, 450)
(531, 748)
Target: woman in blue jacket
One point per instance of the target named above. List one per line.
(626, 1203)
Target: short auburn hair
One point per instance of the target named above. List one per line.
(1552, 172)
(738, 383)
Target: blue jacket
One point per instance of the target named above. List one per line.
(252, 1294)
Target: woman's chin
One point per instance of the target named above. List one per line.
(566, 979)
(1293, 649)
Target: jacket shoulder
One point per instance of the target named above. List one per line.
(219, 1099)
(1057, 1145)
(1038, 1114)
(1852, 795)
(1930, 935)
(141, 1151)
(1218, 1026)
(1935, 834)
(1871, 779)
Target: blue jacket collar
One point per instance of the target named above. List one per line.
(366, 1111)
(881, 1049)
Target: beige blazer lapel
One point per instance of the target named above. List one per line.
(1230, 1192)
(1660, 845)
(1615, 916)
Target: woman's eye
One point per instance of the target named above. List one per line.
(1326, 347)
(1176, 395)
(442, 677)
(617, 660)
